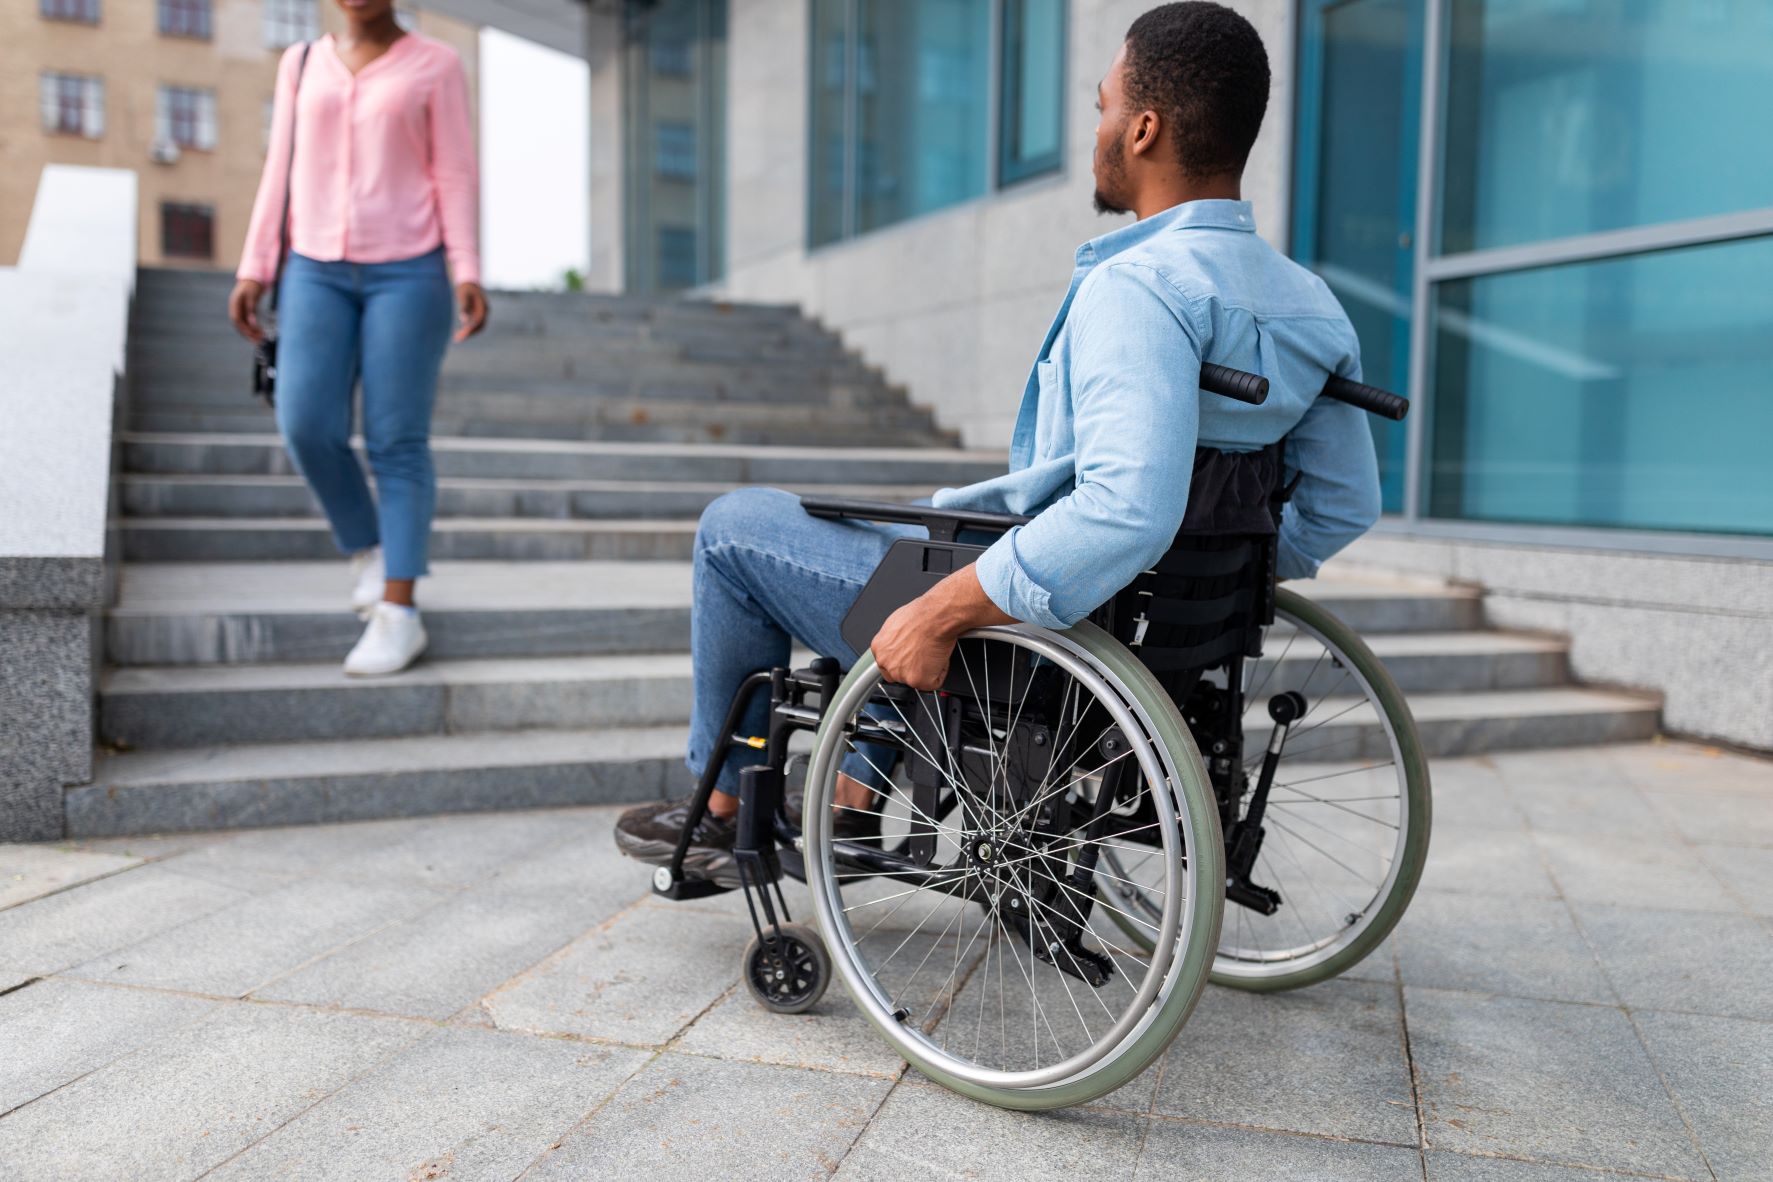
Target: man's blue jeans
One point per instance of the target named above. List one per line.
(389, 324)
(767, 574)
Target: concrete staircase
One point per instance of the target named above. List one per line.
(577, 442)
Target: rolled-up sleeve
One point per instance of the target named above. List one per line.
(1135, 389)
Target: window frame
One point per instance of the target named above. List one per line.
(1433, 268)
(170, 112)
(188, 10)
(90, 99)
(1011, 171)
(91, 12)
(202, 211)
(999, 175)
(276, 22)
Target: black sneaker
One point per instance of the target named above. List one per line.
(846, 825)
(649, 834)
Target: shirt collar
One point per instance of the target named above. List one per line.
(1212, 214)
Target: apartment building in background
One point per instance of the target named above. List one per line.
(177, 90)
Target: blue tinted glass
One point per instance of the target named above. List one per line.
(1635, 392)
(1366, 194)
(1032, 106)
(1567, 116)
(923, 102)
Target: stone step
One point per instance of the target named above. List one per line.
(182, 706)
(712, 427)
(200, 613)
(195, 705)
(503, 539)
(360, 779)
(520, 459)
(143, 495)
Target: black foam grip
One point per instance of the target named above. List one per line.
(1234, 383)
(1372, 399)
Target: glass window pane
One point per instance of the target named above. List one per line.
(1633, 392)
(827, 162)
(1032, 105)
(1568, 117)
(923, 103)
(1366, 195)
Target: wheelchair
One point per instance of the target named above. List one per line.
(1210, 779)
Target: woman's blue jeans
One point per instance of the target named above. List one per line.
(388, 324)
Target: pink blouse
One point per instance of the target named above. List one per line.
(384, 162)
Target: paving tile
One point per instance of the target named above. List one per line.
(1735, 819)
(1327, 1060)
(458, 1104)
(448, 851)
(49, 934)
(1721, 1073)
(32, 871)
(1493, 944)
(1491, 861)
(687, 1117)
(11, 979)
(1664, 874)
(1578, 804)
(442, 959)
(1747, 873)
(639, 980)
(1459, 1167)
(1549, 1081)
(193, 1099)
(153, 847)
(232, 951)
(1670, 960)
(56, 1030)
(832, 1036)
(924, 1131)
(1670, 766)
(1472, 794)
(1178, 1151)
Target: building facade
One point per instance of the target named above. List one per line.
(179, 91)
(1544, 217)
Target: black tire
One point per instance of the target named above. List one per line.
(787, 973)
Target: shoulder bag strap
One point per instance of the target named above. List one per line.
(289, 174)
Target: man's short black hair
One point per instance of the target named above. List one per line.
(1202, 68)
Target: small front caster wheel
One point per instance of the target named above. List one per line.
(788, 973)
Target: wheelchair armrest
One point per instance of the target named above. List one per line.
(943, 524)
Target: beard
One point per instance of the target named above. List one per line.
(1111, 179)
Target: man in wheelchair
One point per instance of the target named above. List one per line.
(1116, 446)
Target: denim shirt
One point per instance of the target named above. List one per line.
(1104, 442)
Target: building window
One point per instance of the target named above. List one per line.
(187, 231)
(902, 106)
(185, 18)
(677, 256)
(72, 104)
(1579, 308)
(290, 21)
(671, 57)
(186, 116)
(84, 11)
(674, 151)
(1031, 107)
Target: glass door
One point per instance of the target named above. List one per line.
(1355, 173)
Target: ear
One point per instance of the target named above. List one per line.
(1142, 132)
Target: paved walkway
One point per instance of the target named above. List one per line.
(1585, 983)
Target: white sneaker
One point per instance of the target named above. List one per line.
(369, 575)
(394, 639)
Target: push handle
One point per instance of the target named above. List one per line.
(1234, 383)
(1372, 399)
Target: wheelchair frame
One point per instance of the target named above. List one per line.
(767, 844)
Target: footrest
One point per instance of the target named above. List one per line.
(686, 888)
